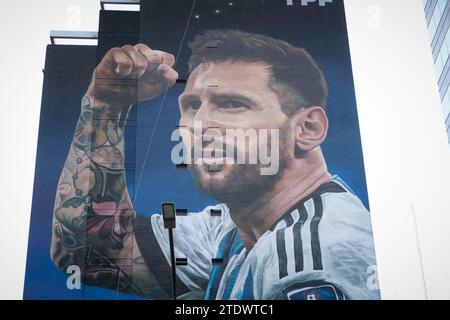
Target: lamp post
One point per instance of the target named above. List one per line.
(169, 218)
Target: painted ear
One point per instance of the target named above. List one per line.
(311, 128)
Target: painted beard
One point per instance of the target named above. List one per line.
(234, 184)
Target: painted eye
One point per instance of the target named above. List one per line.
(233, 104)
(192, 105)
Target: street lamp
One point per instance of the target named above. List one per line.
(169, 217)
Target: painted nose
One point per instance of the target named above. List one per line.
(203, 117)
(202, 114)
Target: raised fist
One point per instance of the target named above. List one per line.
(130, 74)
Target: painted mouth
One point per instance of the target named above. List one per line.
(215, 161)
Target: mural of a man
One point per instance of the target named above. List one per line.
(297, 234)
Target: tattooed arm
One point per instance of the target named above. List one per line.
(93, 217)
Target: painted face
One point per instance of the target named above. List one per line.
(228, 98)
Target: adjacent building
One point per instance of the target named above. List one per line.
(437, 13)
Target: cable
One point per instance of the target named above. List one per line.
(161, 106)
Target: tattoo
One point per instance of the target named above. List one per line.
(93, 221)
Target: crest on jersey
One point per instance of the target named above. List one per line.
(314, 290)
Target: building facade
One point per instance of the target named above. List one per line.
(437, 14)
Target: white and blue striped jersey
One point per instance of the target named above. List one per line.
(321, 248)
